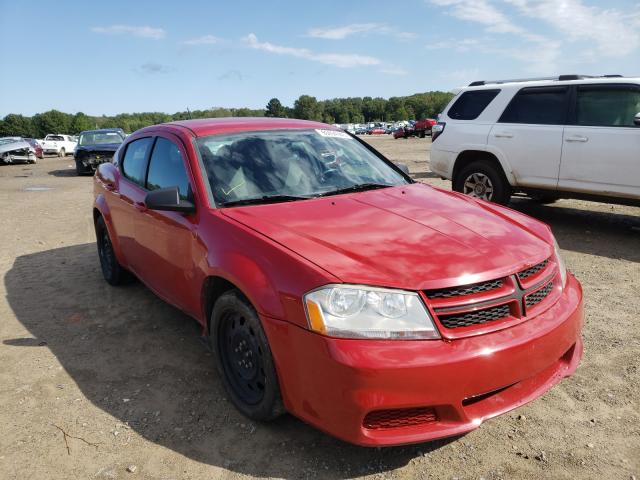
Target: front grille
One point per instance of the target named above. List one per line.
(464, 290)
(403, 417)
(524, 274)
(477, 317)
(537, 297)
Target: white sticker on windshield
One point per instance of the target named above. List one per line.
(332, 133)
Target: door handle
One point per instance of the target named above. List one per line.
(503, 135)
(140, 206)
(577, 138)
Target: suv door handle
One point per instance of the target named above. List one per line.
(503, 135)
(577, 138)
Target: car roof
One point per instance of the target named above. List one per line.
(497, 85)
(212, 126)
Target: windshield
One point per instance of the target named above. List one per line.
(290, 165)
(100, 138)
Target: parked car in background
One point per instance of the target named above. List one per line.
(36, 147)
(571, 136)
(301, 252)
(403, 132)
(96, 147)
(376, 131)
(58, 144)
(16, 149)
(361, 130)
(423, 127)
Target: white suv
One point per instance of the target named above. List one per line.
(570, 136)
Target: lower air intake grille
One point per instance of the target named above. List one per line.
(403, 417)
(477, 317)
(464, 290)
(537, 297)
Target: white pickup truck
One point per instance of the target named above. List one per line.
(59, 144)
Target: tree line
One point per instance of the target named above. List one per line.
(306, 107)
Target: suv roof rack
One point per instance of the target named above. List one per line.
(560, 78)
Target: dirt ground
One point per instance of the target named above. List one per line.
(129, 381)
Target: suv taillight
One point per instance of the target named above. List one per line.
(436, 130)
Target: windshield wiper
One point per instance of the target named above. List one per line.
(263, 199)
(359, 187)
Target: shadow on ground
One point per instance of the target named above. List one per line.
(65, 172)
(125, 343)
(605, 234)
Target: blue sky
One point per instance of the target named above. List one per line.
(126, 56)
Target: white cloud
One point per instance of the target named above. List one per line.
(609, 30)
(391, 70)
(462, 45)
(340, 33)
(342, 60)
(152, 68)
(480, 11)
(204, 40)
(144, 31)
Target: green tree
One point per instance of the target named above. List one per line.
(52, 121)
(274, 109)
(307, 108)
(15, 125)
(81, 122)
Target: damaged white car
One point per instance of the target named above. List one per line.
(16, 149)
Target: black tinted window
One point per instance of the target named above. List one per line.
(607, 105)
(471, 104)
(542, 106)
(134, 163)
(167, 169)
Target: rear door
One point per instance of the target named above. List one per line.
(529, 134)
(126, 204)
(601, 152)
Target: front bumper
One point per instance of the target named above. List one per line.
(334, 384)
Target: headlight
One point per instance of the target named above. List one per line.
(561, 265)
(353, 311)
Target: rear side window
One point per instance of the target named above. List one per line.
(538, 105)
(134, 163)
(471, 104)
(167, 168)
(607, 105)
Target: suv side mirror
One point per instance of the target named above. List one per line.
(636, 120)
(168, 199)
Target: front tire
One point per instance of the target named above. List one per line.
(244, 358)
(112, 271)
(482, 179)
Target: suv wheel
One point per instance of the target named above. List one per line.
(244, 358)
(481, 179)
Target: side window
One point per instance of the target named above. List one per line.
(607, 105)
(134, 163)
(167, 169)
(471, 104)
(537, 105)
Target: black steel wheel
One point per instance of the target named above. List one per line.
(244, 358)
(112, 271)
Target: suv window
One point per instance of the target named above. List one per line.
(167, 169)
(607, 105)
(471, 104)
(537, 105)
(134, 163)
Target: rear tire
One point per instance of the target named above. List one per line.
(482, 179)
(244, 358)
(62, 153)
(112, 271)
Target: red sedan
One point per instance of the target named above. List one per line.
(332, 286)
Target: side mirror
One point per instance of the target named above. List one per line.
(403, 167)
(168, 199)
(636, 120)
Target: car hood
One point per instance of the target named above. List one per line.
(14, 145)
(414, 236)
(105, 147)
